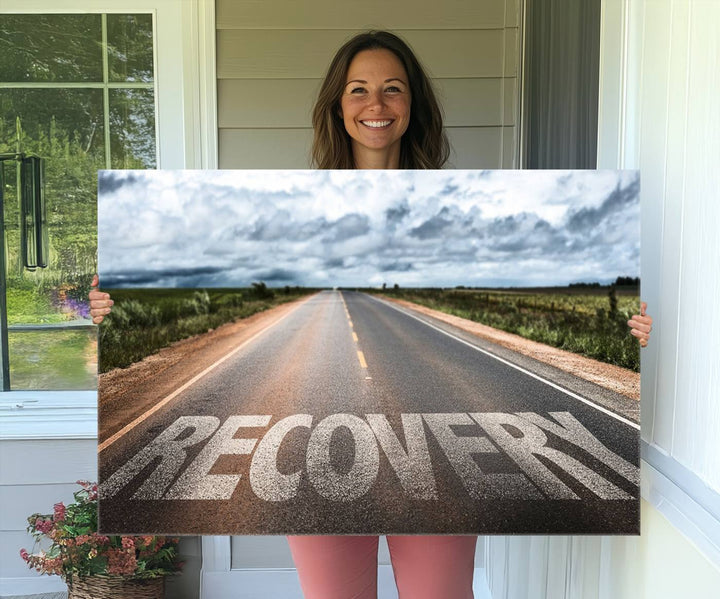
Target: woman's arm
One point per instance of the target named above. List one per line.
(641, 325)
(99, 302)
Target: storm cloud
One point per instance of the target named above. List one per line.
(366, 228)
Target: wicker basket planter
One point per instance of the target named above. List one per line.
(116, 587)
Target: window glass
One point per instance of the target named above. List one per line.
(52, 343)
(130, 48)
(132, 128)
(37, 48)
(55, 359)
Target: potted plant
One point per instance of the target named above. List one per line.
(97, 566)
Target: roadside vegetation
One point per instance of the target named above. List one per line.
(590, 320)
(143, 321)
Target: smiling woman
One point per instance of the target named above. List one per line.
(363, 116)
(375, 108)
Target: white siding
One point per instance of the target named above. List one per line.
(674, 139)
(658, 112)
(34, 475)
(271, 59)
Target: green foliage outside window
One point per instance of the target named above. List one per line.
(81, 89)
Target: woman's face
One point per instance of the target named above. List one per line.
(375, 103)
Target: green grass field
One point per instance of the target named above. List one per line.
(143, 321)
(582, 320)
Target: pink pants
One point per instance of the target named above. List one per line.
(425, 567)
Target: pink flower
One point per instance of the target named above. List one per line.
(121, 562)
(53, 565)
(24, 555)
(59, 509)
(44, 526)
(128, 543)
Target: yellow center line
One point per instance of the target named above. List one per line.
(361, 356)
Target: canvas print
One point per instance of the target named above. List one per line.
(369, 352)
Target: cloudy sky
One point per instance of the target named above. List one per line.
(366, 228)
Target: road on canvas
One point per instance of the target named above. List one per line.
(352, 415)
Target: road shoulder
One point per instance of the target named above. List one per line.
(126, 393)
(613, 378)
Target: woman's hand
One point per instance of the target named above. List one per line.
(99, 302)
(641, 325)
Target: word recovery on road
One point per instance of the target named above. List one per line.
(522, 436)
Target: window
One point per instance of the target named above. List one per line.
(186, 137)
(77, 90)
(560, 84)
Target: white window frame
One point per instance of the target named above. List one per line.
(186, 131)
(671, 487)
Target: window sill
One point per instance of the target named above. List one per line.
(681, 496)
(48, 415)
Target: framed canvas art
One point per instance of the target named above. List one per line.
(369, 352)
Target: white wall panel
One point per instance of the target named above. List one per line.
(510, 145)
(475, 147)
(511, 60)
(252, 53)
(259, 553)
(266, 103)
(331, 14)
(510, 101)
(512, 13)
(265, 148)
(11, 564)
(672, 233)
(660, 84)
(47, 462)
(697, 413)
(474, 102)
(34, 475)
(654, 84)
(19, 501)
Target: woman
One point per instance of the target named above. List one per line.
(377, 110)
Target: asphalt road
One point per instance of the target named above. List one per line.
(351, 415)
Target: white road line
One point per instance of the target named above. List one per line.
(128, 427)
(520, 368)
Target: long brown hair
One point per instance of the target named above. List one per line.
(424, 144)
